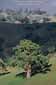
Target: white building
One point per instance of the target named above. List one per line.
(37, 18)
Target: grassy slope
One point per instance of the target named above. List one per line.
(39, 79)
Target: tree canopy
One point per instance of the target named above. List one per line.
(27, 52)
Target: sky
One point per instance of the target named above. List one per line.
(47, 5)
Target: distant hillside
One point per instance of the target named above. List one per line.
(11, 34)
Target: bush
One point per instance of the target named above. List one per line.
(2, 64)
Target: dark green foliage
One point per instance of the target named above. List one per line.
(2, 64)
(27, 52)
(11, 61)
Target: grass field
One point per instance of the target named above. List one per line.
(39, 79)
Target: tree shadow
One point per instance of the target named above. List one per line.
(34, 72)
(4, 73)
(45, 70)
(22, 74)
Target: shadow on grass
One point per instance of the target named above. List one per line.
(21, 75)
(4, 73)
(45, 70)
(34, 72)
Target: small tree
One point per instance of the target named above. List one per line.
(27, 52)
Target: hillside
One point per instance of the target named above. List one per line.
(11, 34)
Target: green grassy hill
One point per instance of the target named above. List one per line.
(39, 79)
